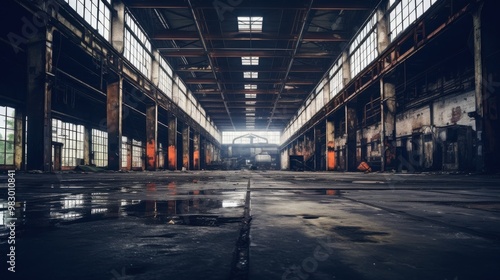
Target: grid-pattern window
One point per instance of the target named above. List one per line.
(405, 13)
(136, 154)
(165, 78)
(137, 47)
(250, 60)
(96, 13)
(71, 136)
(250, 24)
(7, 128)
(124, 152)
(100, 147)
(363, 50)
(250, 86)
(250, 75)
(336, 80)
(273, 137)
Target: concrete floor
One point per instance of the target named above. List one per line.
(188, 225)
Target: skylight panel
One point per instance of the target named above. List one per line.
(250, 95)
(250, 75)
(250, 24)
(250, 60)
(250, 86)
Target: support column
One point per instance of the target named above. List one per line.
(151, 137)
(388, 120)
(39, 60)
(18, 139)
(185, 147)
(351, 122)
(114, 124)
(479, 87)
(196, 151)
(87, 145)
(172, 143)
(330, 146)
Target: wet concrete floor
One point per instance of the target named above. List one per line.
(252, 225)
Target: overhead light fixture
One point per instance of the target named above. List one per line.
(250, 60)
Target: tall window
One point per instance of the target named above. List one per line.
(165, 78)
(7, 125)
(364, 50)
(71, 136)
(100, 147)
(136, 154)
(124, 152)
(137, 48)
(405, 13)
(96, 13)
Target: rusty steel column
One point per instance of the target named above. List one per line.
(39, 100)
(479, 88)
(18, 139)
(185, 147)
(151, 137)
(196, 151)
(172, 143)
(351, 122)
(87, 145)
(330, 146)
(114, 123)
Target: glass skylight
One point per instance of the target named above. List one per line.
(250, 24)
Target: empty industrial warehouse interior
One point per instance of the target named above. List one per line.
(249, 139)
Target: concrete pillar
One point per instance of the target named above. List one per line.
(114, 123)
(172, 143)
(87, 145)
(118, 26)
(383, 39)
(346, 68)
(39, 99)
(196, 151)
(479, 88)
(351, 122)
(330, 146)
(285, 164)
(18, 139)
(388, 120)
(151, 137)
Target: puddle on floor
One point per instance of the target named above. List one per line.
(157, 204)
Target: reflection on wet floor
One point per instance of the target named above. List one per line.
(156, 203)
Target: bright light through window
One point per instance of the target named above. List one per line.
(250, 95)
(250, 24)
(250, 60)
(273, 137)
(250, 86)
(250, 75)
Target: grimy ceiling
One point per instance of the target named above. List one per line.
(251, 63)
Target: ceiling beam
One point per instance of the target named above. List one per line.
(239, 53)
(240, 36)
(258, 68)
(338, 5)
(250, 81)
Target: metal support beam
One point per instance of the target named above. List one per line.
(40, 74)
(151, 137)
(114, 123)
(18, 139)
(210, 62)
